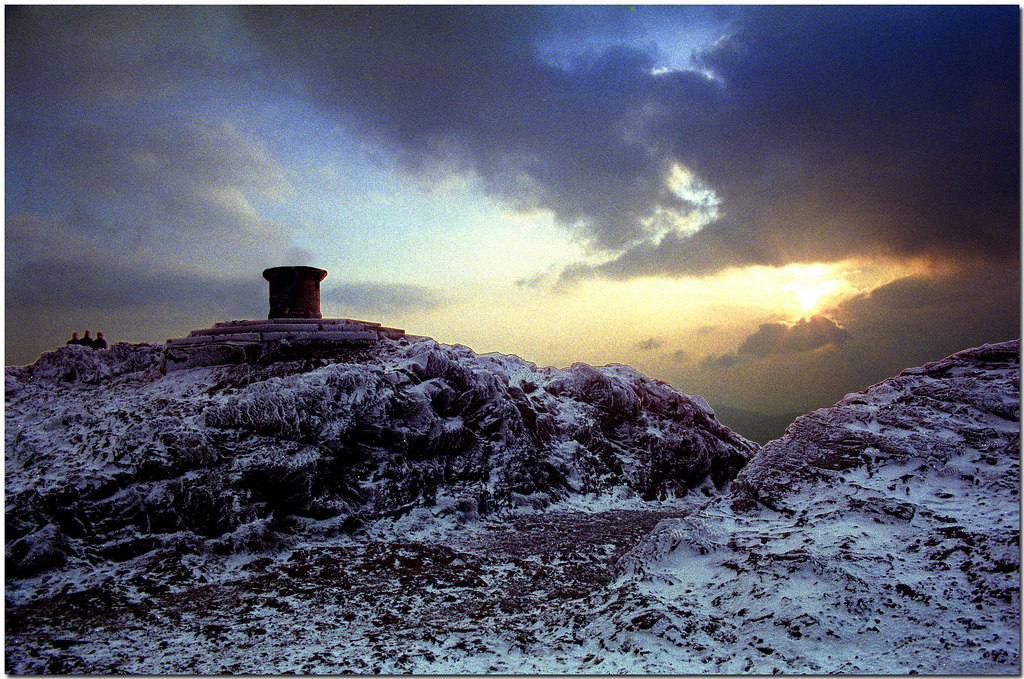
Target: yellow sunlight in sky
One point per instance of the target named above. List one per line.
(601, 321)
(813, 286)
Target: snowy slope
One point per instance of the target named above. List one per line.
(419, 508)
(881, 535)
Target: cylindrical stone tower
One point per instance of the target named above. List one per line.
(294, 291)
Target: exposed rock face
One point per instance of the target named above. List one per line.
(107, 458)
(881, 535)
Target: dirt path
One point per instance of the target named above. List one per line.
(360, 606)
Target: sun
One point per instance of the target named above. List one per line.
(807, 296)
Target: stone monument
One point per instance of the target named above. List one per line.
(294, 322)
(294, 291)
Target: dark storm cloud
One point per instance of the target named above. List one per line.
(853, 131)
(60, 55)
(870, 129)
(919, 293)
(468, 87)
(939, 313)
(57, 284)
(784, 338)
(827, 132)
(716, 362)
(174, 193)
(386, 297)
(719, 245)
(649, 344)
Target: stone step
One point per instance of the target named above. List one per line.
(207, 340)
(242, 333)
(341, 335)
(254, 328)
(255, 338)
(297, 321)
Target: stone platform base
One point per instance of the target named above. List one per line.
(239, 341)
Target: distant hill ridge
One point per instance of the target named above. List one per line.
(758, 427)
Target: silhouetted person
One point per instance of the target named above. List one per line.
(86, 340)
(99, 342)
(74, 339)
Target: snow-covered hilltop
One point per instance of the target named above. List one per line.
(414, 507)
(107, 458)
(878, 536)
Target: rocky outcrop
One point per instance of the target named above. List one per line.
(80, 364)
(878, 536)
(960, 415)
(419, 508)
(108, 463)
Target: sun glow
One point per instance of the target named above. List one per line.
(601, 321)
(809, 296)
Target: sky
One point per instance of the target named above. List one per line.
(768, 206)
